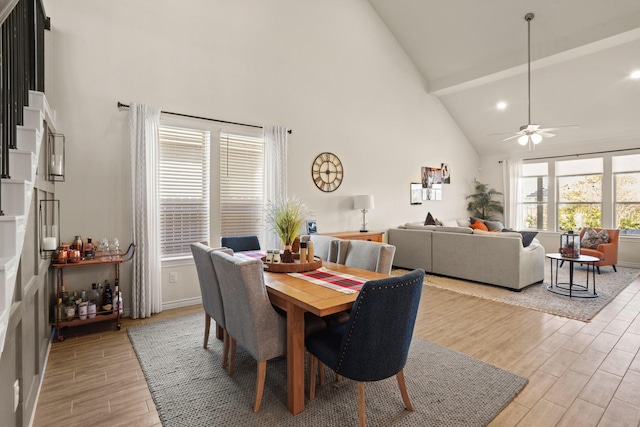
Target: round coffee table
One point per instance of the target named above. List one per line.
(569, 288)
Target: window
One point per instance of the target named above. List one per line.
(534, 195)
(626, 172)
(241, 185)
(579, 193)
(183, 183)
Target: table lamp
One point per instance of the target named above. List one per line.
(363, 203)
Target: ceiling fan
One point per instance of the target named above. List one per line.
(530, 134)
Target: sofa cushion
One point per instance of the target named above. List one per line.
(418, 226)
(451, 223)
(429, 220)
(592, 238)
(460, 230)
(463, 222)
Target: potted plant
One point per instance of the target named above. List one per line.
(482, 204)
(286, 217)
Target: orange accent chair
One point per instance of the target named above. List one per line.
(607, 252)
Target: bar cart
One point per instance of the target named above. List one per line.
(101, 316)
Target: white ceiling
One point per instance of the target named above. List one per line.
(473, 54)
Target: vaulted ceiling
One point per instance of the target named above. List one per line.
(473, 54)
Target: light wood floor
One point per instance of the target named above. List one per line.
(580, 374)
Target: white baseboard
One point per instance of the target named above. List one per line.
(181, 303)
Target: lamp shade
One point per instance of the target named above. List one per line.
(363, 202)
(523, 140)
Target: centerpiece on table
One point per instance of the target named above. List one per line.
(286, 217)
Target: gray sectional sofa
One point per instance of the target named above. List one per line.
(495, 258)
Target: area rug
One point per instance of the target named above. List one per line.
(190, 388)
(608, 285)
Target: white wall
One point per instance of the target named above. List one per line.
(329, 70)
(491, 173)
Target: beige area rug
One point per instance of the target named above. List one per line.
(190, 388)
(608, 285)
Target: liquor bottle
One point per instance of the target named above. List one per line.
(94, 296)
(63, 294)
(107, 298)
(89, 249)
(60, 311)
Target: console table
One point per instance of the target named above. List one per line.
(372, 236)
(569, 288)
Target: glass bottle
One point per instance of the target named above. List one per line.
(78, 244)
(107, 298)
(89, 249)
(60, 311)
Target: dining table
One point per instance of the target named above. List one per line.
(297, 296)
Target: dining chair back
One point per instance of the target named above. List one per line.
(241, 243)
(210, 290)
(372, 256)
(324, 247)
(374, 343)
(251, 320)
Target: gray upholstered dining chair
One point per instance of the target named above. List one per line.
(211, 296)
(324, 247)
(251, 320)
(374, 343)
(372, 256)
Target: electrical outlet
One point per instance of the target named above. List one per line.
(173, 277)
(16, 395)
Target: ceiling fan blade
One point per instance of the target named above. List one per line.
(531, 127)
(546, 135)
(511, 137)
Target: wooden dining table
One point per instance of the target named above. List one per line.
(297, 296)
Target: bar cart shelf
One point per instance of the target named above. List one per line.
(101, 316)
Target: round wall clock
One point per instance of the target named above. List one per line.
(327, 171)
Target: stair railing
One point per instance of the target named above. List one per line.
(21, 70)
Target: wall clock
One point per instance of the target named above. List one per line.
(327, 171)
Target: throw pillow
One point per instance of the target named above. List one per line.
(494, 225)
(479, 225)
(592, 238)
(527, 237)
(429, 220)
(472, 220)
(438, 222)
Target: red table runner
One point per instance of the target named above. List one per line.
(340, 282)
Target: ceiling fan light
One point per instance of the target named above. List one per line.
(523, 140)
(537, 139)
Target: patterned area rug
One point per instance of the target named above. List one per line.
(608, 285)
(190, 388)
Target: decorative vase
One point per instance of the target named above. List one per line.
(287, 256)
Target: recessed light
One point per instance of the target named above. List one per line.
(635, 74)
(501, 105)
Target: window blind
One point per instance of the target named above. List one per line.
(183, 182)
(241, 185)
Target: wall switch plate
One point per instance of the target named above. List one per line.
(173, 277)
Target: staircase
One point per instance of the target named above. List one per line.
(17, 193)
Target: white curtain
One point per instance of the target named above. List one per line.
(275, 174)
(511, 174)
(146, 292)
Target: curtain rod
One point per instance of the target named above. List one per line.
(581, 154)
(121, 105)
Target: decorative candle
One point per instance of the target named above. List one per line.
(49, 244)
(56, 164)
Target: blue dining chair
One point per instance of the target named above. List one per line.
(374, 343)
(241, 243)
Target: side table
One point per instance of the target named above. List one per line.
(568, 288)
(372, 236)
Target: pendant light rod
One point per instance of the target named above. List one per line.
(528, 17)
